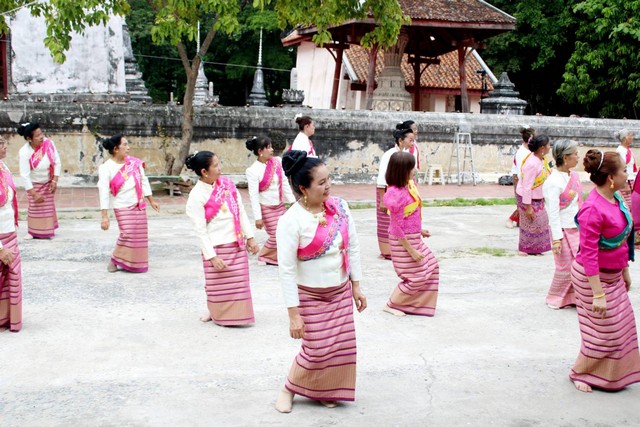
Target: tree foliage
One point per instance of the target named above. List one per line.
(64, 17)
(604, 70)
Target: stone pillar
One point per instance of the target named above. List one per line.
(258, 96)
(391, 95)
(133, 77)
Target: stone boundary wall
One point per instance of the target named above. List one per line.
(351, 142)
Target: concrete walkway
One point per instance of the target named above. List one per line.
(101, 349)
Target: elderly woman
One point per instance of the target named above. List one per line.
(320, 272)
(404, 140)
(563, 197)
(40, 169)
(415, 264)
(608, 357)
(268, 190)
(534, 223)
(11, 271)
(123, 185)
(625, 137)
(221, 223)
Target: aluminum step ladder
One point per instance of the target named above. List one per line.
(462, 151)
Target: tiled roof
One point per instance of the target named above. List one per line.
(454, 11)
(442, 76)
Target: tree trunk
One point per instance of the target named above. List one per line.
(187, 121)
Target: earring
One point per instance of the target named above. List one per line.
(611, 185)
(305, 200)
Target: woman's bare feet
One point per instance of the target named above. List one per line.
(329, 403)
(393, 311)
(111, 267)
(284, 403)
(583, 387)
(553, 307)
(522, 253)
(205, 318)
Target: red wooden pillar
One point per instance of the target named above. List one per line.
(4, 64)
(371, 76)
(337, 74)
(464, 96)
(416, 85)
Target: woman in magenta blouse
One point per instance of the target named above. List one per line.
(609, 357)
(417, 268)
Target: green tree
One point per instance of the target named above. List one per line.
(176, 23)
(604, 72)
(535, 53)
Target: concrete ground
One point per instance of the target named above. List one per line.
(101, 349)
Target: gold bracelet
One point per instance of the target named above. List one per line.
(599, 296)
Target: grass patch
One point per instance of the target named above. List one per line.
(490, 251)
(460, 201)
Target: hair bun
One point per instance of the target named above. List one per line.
(188, 162)
(292, 161)
(251, 143)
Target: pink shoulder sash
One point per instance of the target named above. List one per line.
(6, 182)
(45, 149)
(273, 167)
(572, 190)
(629, 158)
(337, 221)
(224, 191)
(130, 169)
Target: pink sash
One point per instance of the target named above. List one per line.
(629, 158)
(337, 221)
(6, 182)
(224, 190)
(46, 148)
(131, 168)
(572, 190)
(273, 166)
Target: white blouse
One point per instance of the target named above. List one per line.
(384, 165)
(269, 197)
(296, 228)
(622, 151)
(221, 229)
(302, 143)
(127, 195)
(519, 158)
(552, 188)
(7, 218)
(41, 173)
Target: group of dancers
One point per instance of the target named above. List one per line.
(592, 241)
(315, 245)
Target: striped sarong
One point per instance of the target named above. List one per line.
(325, 368)
(228, 292)
(609, 357)
(132, 248)
(561, 291)
(382, 220)
(42, 219)
(270, 217)
(535, 237)
(11, 286)
(417, 293)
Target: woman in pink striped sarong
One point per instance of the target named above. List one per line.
(11, 270)
(40, 169)
(563, 198)
(268, 190)
(221, 223)
(534, 223)
(123, 185)
(417, 268)
(404, 140)
(320, 272)
(609, 358)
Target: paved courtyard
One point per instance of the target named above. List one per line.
(101, 349)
